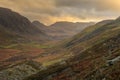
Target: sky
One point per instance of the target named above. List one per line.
(51, 11)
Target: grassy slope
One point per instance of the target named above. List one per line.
(91, 53)
(92, 35)
(91, 59)
(14, 53)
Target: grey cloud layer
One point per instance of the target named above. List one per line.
(50, 11)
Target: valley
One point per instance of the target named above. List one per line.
(61, 51)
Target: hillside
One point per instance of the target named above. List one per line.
(96, 55)
(93, 34)
(94, 63)
(18, 26)
(92, 54)
(19, 38)
(62, 30)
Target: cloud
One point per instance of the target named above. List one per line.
(50, 11)
(90, 4)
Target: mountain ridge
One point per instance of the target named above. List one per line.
(63, 29)
(16, 24)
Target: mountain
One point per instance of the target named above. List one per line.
(41, 27)
(92, 54)
(63, 30)
(91, 32)
(96, 55)
(18, 26)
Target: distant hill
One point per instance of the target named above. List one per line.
(63, 30)
(14, 24)
(41, 26)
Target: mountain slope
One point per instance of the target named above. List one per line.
(96, 55)
(94, 50)
(93, 34)
(16, 24)
(62, 30)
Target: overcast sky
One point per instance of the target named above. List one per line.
(50, 11)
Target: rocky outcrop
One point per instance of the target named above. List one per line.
(20, 71)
